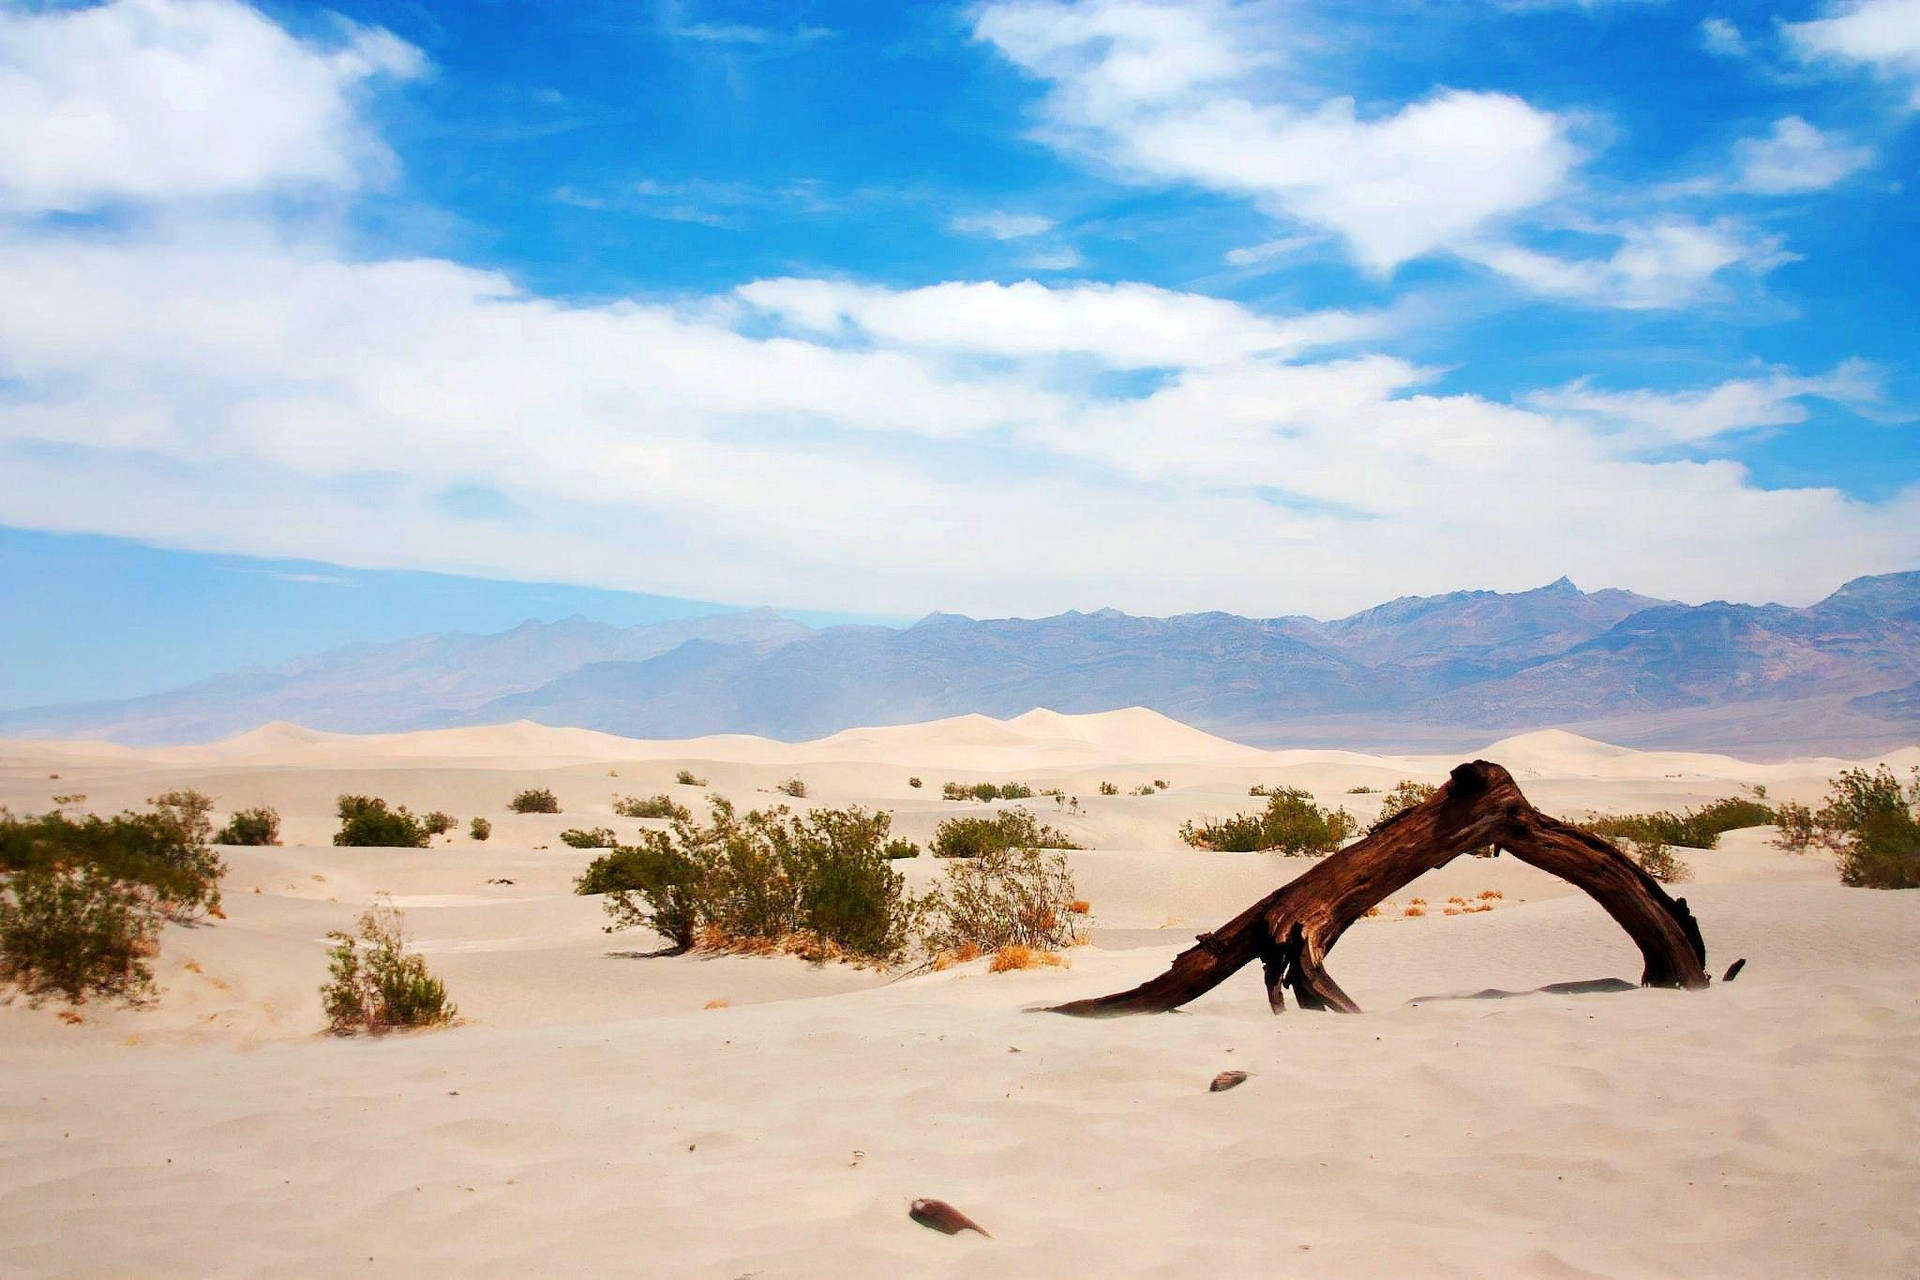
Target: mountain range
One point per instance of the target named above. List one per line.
(1426, 672)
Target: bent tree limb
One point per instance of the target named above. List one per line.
(1291, 930)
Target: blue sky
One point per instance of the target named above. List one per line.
(998, 308)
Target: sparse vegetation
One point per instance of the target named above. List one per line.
(985, 791)
(375, 984)
(1109, 789)
(793, 787)
(1872, 824)
(367, 823)
(82, 902)
(818, 886)
(1016, 955)
(1696, 829)
(970, 837)
(1361, 790)
(1657, 859)
(1008, 897)
(535, 800)
(1407, 793)
(1796, 826)
(686, 779)
(479, 829)
(915, 782)
(250, 827)
(438, 823)
(1292, 824)
(598, 838)
(660, 806)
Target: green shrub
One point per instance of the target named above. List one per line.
(1108, 789)
(1696, 829)
(165, 853)
(480, 829)
(985, 791)
(1362, 790)
(367, 823)
(375, 984)
(915, 783)
(1656, 858)
(535, 800)
(1796, 826)
(1869, 821)
(75, 931)
(1292, 824)
(1406, 794)
(598, 838)
(438, 823)
(661, 806)
(818, 885)
(970, 837)
(250, 827)
(793, 787)
(1004, 897)
(686, 779)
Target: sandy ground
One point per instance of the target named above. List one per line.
(590, 1116)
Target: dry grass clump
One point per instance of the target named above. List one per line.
(965, 953)
(1080, 907)
(1457, 900)
(1418, 902)
(1490, 895)
(1477, 907)
(1019, 956)
(1372, 911)
(716, 1004)
(1451, 911)
(1415, 909)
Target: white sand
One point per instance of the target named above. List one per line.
(589, 1117)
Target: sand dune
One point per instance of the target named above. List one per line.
(591, 1116)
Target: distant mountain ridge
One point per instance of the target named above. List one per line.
(1417, 671)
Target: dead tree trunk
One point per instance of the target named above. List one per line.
(1291, 930)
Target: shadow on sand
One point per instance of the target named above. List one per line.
(1584, 987)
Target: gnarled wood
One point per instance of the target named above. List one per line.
(1291, 930)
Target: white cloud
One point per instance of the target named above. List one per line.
(1172, 93)
(1268, 250)
(1663, 263)
(225, 380)
(1795, 157)
(1654, 420)
(170, 99)
(1881, 35)
(1722, 39)
(1001, 226)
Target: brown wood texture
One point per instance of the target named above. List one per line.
(1291, 930)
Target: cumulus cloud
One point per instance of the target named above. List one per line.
(1174, 92)
(224, 379)
(174, 99)
(1882, 36)
(1795, 157)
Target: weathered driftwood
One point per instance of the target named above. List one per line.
(1291, 930)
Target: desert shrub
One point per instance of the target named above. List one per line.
(984, 791)
(1361, 790)
(1656, 858)
(915, 782)
(1869, 821)
(1005, 897)
(1796, 826)
(250, 827)
(479, 829)
(367, 823)
(969, 837)
(375, 984)
(793, 787)
(661, 806)
(1695, 829)
(1144, 789)
(1292, 824)
(598, 838)
(820, 885)
(438, 823)
(686, 779)
(75, 931)
(535, 800)
(1405, 795)
(165, 854)
(1109, 789)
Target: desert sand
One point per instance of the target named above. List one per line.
(591, 1115)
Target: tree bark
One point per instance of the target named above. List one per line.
(1292, 929)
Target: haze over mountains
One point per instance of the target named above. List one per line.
(1435, 672)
